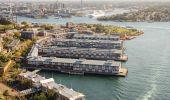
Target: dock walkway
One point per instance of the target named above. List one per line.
(123, 72)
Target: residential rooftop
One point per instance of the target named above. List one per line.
(82, 49)
(64, 91)
(75, 61)
(14, 43)
(33, 52)
(87, 41)
(99, 36)
(51, 84)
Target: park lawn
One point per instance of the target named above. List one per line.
(6, 26)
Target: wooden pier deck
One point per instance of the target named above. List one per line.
(123, 72)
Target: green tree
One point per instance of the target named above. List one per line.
(3, 58)
(6, 40)
(27, 83)
(1, 64)
(40, 96)
(24, 23)
(4, 21)
(17, 65)
(47, 27)
(51, 95)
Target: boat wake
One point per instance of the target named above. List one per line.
(150, 93)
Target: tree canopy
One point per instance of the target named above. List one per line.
(40, 96)
(4, 21)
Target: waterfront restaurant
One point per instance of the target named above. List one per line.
(80, 66)
(104, 44)
(87, 53)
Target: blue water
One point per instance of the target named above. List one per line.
(148, 65)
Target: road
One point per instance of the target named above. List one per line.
(3, 87)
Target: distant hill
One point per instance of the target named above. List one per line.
(156, 13)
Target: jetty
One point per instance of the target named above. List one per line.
(122, 72)
(96, 55)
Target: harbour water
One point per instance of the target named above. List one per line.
(148, 65)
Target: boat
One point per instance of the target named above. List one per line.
(130, 37)
(57, 17)
(73, 72)
(130, 27)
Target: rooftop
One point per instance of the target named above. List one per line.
(87, 41)
(95, 36)
(34, 51)
(14, 43)
(82, 49)
(50, 84)
(75, 61)
(66, 92)
(32, 76)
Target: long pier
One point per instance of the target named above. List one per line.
(79, 56)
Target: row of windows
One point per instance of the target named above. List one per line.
(80, 52)
(75, 65)
(86, 53)
(85, 56)
(93, 67)
(96, 38)
(86, 43)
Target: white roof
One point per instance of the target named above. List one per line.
(47, 81)
(75, 61)
(50, 84)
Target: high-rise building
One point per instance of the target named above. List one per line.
(81, 5)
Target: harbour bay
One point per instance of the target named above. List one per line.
(148, 65)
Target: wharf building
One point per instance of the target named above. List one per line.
(75, 66)
(97, 37)
(103, 44)
(76, 55)
(41, 83)
(87, 53)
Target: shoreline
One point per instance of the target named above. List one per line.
(124, 21)
(123, 72)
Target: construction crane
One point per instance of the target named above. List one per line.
(42, 9)
(81, 5)
(10, 11)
